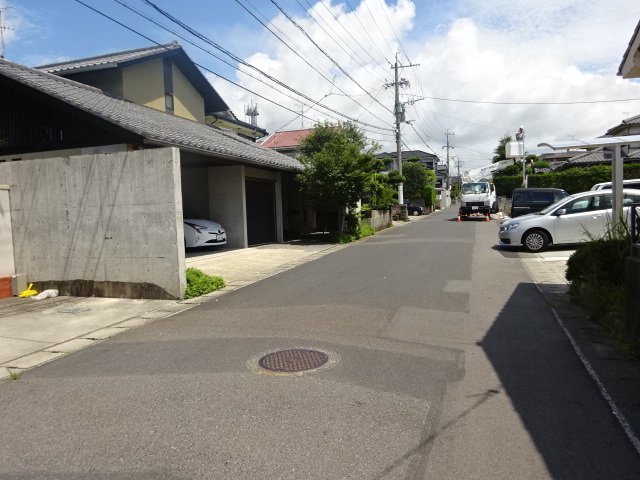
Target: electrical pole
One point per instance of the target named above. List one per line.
(448, 160)
(400, 118)
(2, 29)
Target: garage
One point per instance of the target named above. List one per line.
(261, 211)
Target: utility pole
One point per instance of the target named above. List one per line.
(448, 159)
(400, 118)
(2, 29)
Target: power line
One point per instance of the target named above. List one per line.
(334, 38)
(367, 33)
(242, 62)
(349, 32)
(323, 52)
(298, 54)
(533, 103)
(384, 9)
(212, 72)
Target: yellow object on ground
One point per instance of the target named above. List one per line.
(29, 291)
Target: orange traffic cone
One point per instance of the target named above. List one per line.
(459, 219)
(488, 219)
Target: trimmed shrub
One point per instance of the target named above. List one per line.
(573, 180)
(597, 282)
(429, 194)
(199, 283)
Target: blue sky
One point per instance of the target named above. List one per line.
(513, 63)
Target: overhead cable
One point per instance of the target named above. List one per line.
(242, 62)
(302, 30)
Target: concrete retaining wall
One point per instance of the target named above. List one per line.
(379, 220)
(104, 225)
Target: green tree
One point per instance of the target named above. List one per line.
(416, 179)
(339, 168)
(501, 150)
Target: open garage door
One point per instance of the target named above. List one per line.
(261, 211)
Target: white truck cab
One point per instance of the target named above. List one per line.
(478, 198)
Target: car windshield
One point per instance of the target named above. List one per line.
(470, 188)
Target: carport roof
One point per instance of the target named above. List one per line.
(594, 142)
(156, 127)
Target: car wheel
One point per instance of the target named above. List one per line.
(535, 241)
(415, 213)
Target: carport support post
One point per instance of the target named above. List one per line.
(616, 180)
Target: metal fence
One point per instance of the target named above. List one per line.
(635, 223)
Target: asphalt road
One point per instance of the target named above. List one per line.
(444, 363)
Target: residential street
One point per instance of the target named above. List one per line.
(444, 362)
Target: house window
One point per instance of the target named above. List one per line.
(168, 102)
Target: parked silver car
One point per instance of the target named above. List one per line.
(574, 219)
(199, 232)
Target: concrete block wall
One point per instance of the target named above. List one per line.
(379, 220)
(104, 225)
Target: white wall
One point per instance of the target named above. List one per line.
(110, 224)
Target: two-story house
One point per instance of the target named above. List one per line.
(97, 171)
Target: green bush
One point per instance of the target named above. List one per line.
(353, 231)
(429, 194)
(597, 282)
(573, 180)
(199, 283)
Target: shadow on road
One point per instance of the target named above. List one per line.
(559, 404)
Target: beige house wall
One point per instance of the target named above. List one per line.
(144, 84)
(187, 102)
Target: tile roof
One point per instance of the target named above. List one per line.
(155, 126)
(289, 139)
(107, 60)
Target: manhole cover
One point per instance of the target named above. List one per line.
(297, 360)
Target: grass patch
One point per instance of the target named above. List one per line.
(14, 375)
(199, 283)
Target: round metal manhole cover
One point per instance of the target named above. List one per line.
(297, 360)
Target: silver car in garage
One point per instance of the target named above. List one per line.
(574, 219)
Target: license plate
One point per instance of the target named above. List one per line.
(474, 208)
(219, 237)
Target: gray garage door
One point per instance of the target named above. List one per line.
(261, 211)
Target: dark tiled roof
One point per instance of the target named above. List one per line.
(108, 60)
(620, 130)
(595, 156)
(157, 127)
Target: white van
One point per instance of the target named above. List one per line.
(635, 183)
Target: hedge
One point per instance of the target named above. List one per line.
(573, 180)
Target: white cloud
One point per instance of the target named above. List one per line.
(547, 51)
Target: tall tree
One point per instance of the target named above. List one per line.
(501, 149)
(339, 167)
(417, 178)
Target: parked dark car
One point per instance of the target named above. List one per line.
(532, 200)
(416, 210)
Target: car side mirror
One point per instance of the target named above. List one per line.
(562, 211)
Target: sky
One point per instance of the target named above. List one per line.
(471, 71)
